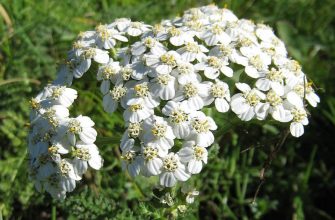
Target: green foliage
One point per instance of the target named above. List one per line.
(34, 38)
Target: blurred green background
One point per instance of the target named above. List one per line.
(300, 183)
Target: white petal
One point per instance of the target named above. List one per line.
(186, 154)
(194, 166)
(263, 84)
(227, 71)
(154, 166)
(248, 115)
(167, 179)
(104, 87)
(243, 87)
(88, 135)
(297, 129)
(181, 174)
(295, 99)
(221, 105)
(101, 57)
(96, 161)
(252, 72)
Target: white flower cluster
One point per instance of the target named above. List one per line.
(162, 77)
(60, 147)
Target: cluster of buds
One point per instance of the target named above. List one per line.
(163, 78)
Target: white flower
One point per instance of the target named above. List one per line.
(81, 126)
(270, 43)
(132, 162)
(272, 79)
(213, 66)
(84, 155)
(192, 51)
(163, 62)
(246, 104)
(192, 95)
(274, 106)
(68, 176)
(295, 105)
(299, 120)
(53, 116)
(191, 193)
(137, 111)
(113, 97)
(62, 95)
(139, 92)
(121, 24)
(179, 37)
(292, 71)
(178, 118)
(258, 61)
(215, 34)
(135, 29)
(220, 95)
(202, 126)
(152, 160)
(185, 73)
(140, 47)
(226, 52)
(193, 156)
(106, 37)
(109, 72)
(304, 91)
(172, 171)
(139, 70)
(164, 86)
(99, 56)
(51, 185)
(158, 133)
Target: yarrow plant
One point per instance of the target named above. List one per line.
(164, 78)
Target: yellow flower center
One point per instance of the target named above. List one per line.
(214, 62)
(129, 156)
(53, 149)
(178, 116)
(74, 126)
(141, 90)
(218, 91)
(174, 31)
(34, 104)
(190, 90)
(200, 126)
(275, 75)
(150, 153)
(163, 79)
(217, 29)
(168, 59)
(257, 62)
(118, 92)
(136, 107)
(134, 129)
(298, 114)
(82, 154)
(273, 98)
(252, 98)
(198, 152)
(159, 130)
(170, 164)
(192, 47)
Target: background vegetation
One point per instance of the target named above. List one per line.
(300, 182)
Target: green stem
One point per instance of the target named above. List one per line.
(53, 212)
(107, 140)
(15, 80)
